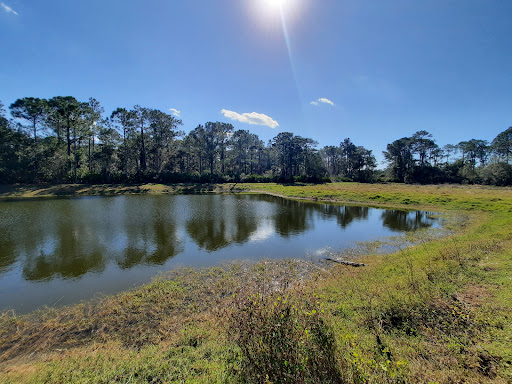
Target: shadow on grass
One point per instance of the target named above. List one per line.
(21, 192)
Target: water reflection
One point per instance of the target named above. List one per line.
(59, 251)
(346, 214)
(409, 221)
(219, 221)
(69, 238)
(109, 243)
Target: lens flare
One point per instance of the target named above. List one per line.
(276, 3)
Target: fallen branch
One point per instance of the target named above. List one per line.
(345, 262)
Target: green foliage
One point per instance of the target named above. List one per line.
(496, 174)
(502, 144)
(64, 139)
(348, 162)
(282, 339)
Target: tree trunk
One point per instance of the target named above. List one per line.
(143, 149)
(75, 163)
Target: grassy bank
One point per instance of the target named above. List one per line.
(436, 312)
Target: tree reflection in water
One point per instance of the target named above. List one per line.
(406, 221)
(92, 240)
(68, 238)
(219, 221)
(82, 236)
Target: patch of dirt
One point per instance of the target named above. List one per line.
(21, 369)
(475, 295)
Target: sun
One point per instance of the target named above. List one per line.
(276, 3)
(273, 13)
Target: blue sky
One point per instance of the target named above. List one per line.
(376, 70)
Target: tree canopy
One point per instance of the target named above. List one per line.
(63, 139)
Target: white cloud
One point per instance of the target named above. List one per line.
(326, 101)
(251, 118)
(322, 100)
(8, 9)
(263, 232)
(175, 112)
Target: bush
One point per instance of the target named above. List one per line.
(496, 174)
(256, 178)
(343, 179)
(282, 339)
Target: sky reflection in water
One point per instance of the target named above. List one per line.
(65, 250)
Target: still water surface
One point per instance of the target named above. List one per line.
(61, 251)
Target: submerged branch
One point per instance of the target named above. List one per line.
(345, 262)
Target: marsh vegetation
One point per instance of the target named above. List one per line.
(435, 312)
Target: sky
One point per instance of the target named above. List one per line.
(371, 71)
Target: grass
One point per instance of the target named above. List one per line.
(436, 312)
(14, 192)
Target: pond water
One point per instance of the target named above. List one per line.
(61, 251)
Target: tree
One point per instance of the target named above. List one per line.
(197, 142)
(331, 156)
(496, 174)
(448, 150)
(422, 144)
(473, 150)
(502, 144)
(65, 111)
(13, 155)
(215, 140)
(364, 163)
(399, 155)
(284, 149)
(31, 109)
(108, 142)
(348, 151)
(296, 156)
(142, 119)
(163, 129)
(34, 111)
(124, 121)
(92, 119)
(306, 158)
(241, 142)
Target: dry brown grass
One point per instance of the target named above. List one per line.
(147, 315)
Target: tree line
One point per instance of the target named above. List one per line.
(418, 159)
(65, 140)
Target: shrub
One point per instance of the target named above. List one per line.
(496, 174)
(282, 339)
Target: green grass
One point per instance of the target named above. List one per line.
(436, 312)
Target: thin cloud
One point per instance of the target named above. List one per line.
(326, 101)
(175, 112)
(322, 100)
(8, 9)
(251, 118)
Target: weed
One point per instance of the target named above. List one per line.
(282, 339)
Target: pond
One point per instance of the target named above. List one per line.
(61, 251)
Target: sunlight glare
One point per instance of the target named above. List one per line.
(276, 3)
(271, 14)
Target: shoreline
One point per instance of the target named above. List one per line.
(200, 299)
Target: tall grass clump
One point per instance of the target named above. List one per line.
(282, 338)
